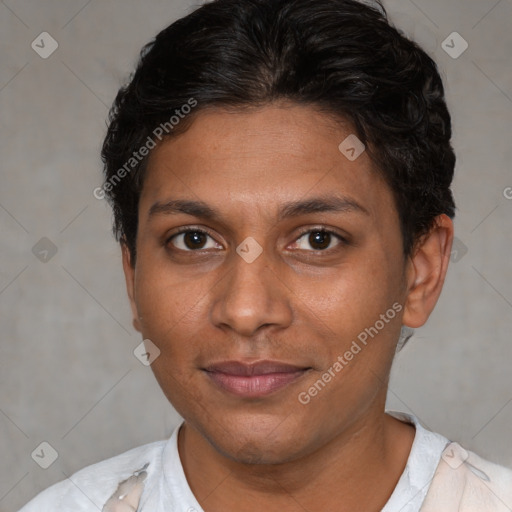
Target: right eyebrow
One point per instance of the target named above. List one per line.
(175, 206)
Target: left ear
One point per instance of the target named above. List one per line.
(426, 272)
(129, 275)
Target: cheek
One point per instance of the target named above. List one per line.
(169, 310)
(347, 306)
(347, 297)
(174, 308)
(167, 304)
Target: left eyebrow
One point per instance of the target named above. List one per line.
(200, 209)
(339, 204)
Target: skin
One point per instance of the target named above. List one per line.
(295, 303)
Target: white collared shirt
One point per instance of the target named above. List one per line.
(166, 489)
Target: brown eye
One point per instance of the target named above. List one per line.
(318, 240)
(193, 239)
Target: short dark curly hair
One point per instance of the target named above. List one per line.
(342, 57)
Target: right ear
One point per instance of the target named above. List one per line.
(129, 276)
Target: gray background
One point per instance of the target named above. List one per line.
(67, 372)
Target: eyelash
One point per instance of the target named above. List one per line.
(342, 241)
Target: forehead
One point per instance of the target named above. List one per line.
(272, 154)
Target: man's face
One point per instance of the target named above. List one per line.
(324, 275)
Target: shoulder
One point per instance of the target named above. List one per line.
(466, 482)
(89, 489)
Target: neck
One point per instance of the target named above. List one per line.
(370, 454)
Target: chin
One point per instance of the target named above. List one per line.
(256, 450)
(256, 439)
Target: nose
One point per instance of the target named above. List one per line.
(250, 297)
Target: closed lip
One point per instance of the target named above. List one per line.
(255, 379)
(254, 368)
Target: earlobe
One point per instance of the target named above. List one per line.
(427, 271)
(129, 275)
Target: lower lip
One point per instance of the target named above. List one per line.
(256, 385)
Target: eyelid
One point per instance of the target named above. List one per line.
(186, 229)
(324, 229)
